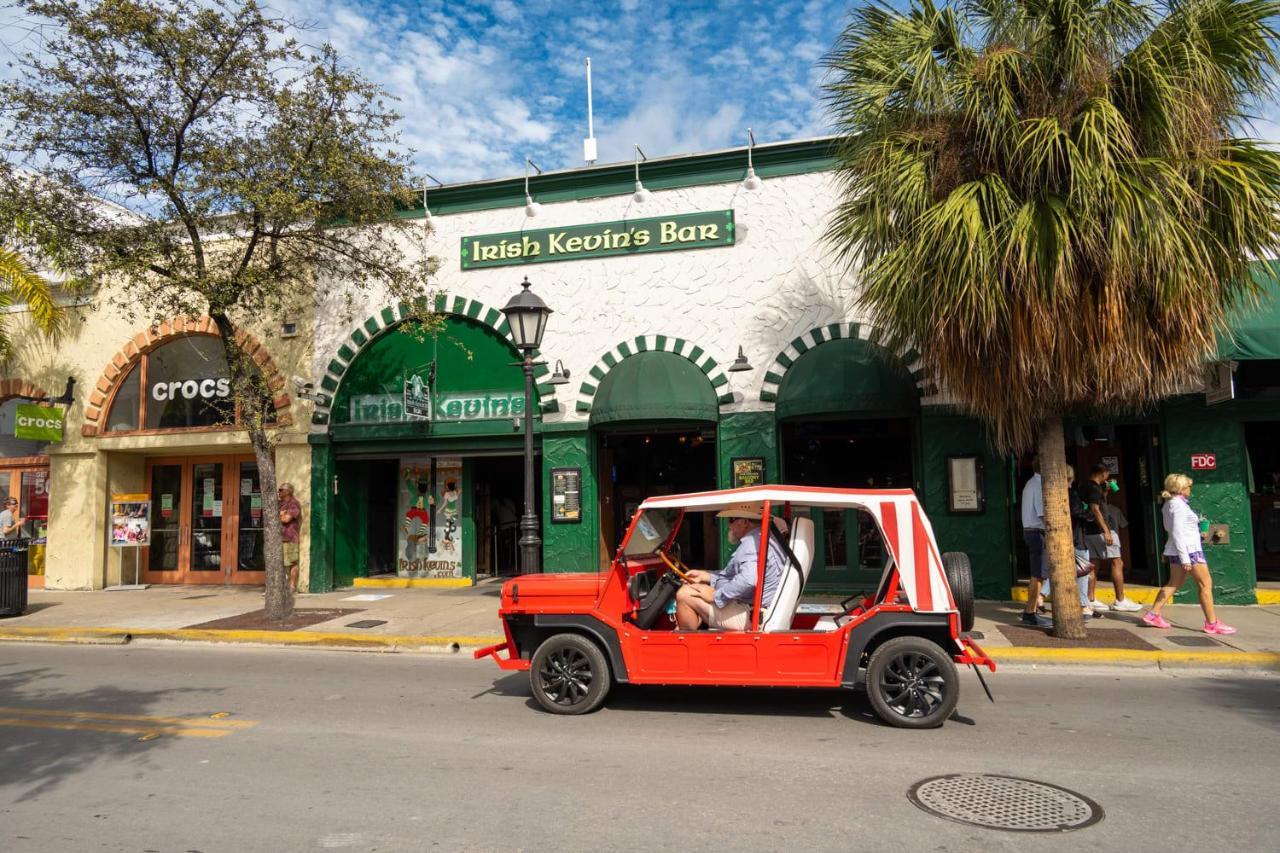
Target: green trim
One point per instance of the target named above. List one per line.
(664, 173)
(346, 353)
(359, 337)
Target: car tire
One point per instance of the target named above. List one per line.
(960, 578)
(912, 683)
(569, 675)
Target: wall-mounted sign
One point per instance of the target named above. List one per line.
(477, 406)
(965, 493)
(747, 471)
(1204, 461)
(566, 495)
(430, 504)
(38, 423)
(597, 240)
(1219, 383)
(417, 399)
(191, 389)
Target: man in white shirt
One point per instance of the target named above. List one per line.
(1033, 534)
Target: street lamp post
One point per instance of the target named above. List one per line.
(527, 317)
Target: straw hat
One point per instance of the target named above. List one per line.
(751, 513)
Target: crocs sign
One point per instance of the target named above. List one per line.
(38, 423)
(1204, 461)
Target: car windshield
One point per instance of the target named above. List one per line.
(653, 528)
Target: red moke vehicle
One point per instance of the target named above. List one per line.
(577, 634)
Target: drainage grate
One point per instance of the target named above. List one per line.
(1193, 641)
(1004, 802)
(367, 623)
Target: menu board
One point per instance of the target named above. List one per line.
(566, 495)
(748, 471)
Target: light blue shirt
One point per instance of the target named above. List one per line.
(1033, 504)
(737, 580)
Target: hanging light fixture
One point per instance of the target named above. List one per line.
(642, 195)
(752, 181)
(531, 207)
(559, 376)
(428, 219)
(740, 363)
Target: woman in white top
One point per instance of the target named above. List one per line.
(1186, 556)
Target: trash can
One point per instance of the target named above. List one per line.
(13, 576)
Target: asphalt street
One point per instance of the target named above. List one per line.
(241, 749)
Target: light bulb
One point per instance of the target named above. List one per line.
(642, 195)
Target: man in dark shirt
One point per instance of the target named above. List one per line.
(1095, 523)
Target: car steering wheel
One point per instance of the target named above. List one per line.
(674, 564)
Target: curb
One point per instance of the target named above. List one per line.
(315, 639)
(1161, 659)
(412, 583)
(1146, 595)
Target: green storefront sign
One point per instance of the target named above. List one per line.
(599, 240)
(37, 423)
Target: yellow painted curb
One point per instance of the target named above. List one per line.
(414, 583)
(1138, 594)
(275, 638)
(1130, 657)
(1269, 597)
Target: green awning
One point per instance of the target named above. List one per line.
(1255, 330)
(654, 386)
(847, 377)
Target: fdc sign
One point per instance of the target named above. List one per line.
(38, 423)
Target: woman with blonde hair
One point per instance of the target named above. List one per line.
(1186, 556)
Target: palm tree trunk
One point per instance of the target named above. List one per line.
(1068, 622)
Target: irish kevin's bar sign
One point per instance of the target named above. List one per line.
(599, 240)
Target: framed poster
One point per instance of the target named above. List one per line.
(964, 485)
(130, 521)
(566, 495)
(747, 471)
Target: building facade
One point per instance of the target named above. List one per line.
(409, 462)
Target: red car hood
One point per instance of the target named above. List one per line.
(573, 589)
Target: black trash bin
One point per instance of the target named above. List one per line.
(13, 576)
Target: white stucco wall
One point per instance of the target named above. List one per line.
(778, 282)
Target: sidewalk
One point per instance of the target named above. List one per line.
(457, 620)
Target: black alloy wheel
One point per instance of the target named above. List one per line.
(569, 675)
(912, 683)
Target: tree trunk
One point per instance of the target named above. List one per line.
(249, 392)
(1068, 621)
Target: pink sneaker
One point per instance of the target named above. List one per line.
(1155, 620)
(1218, 628)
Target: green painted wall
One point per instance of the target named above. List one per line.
(1221, 494)
(986, 538)
(745, 434)
(569, 547)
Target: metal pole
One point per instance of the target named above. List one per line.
(530, 543)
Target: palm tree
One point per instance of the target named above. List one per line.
(21, 284)
(1054, 203)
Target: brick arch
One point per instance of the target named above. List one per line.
(158, 335)
(832, 332)
(654, 343)
(383, 321)
(10, 388)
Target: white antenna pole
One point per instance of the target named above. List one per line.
(589, 144)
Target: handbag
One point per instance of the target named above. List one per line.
(1083, 565)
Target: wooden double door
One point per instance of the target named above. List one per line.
(206, 521)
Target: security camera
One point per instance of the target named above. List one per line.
(306, 390)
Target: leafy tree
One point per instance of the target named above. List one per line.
(22, 284)
(241, 147)
(1054, 202)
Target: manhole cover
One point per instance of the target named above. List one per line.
(367, 623)
(1004, 802)
(1193, 641)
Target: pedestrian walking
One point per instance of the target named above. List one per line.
(1084, 567)
(1033, 535)
(1185, 553)
(11, 519)
(290, 531)
(1109, 554)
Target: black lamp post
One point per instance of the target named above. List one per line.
(527, 317)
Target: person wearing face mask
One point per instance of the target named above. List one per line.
(724, 599)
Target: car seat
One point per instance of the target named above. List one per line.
(778, 617)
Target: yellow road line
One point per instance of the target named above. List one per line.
(203, 722)
(117, 728)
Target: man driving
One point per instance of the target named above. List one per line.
(723, 599)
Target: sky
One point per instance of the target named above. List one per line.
(483, 84)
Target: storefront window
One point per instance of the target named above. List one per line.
(183, 384)
(10, 446)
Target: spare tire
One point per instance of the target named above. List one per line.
(960, 579)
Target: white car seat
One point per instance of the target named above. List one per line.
(778, 617)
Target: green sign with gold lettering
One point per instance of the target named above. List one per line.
(599, 240)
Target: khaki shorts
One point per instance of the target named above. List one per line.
(734, 616)
(291, 553)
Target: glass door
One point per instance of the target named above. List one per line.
(206, 516)
(164, 558)
(247, 512)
